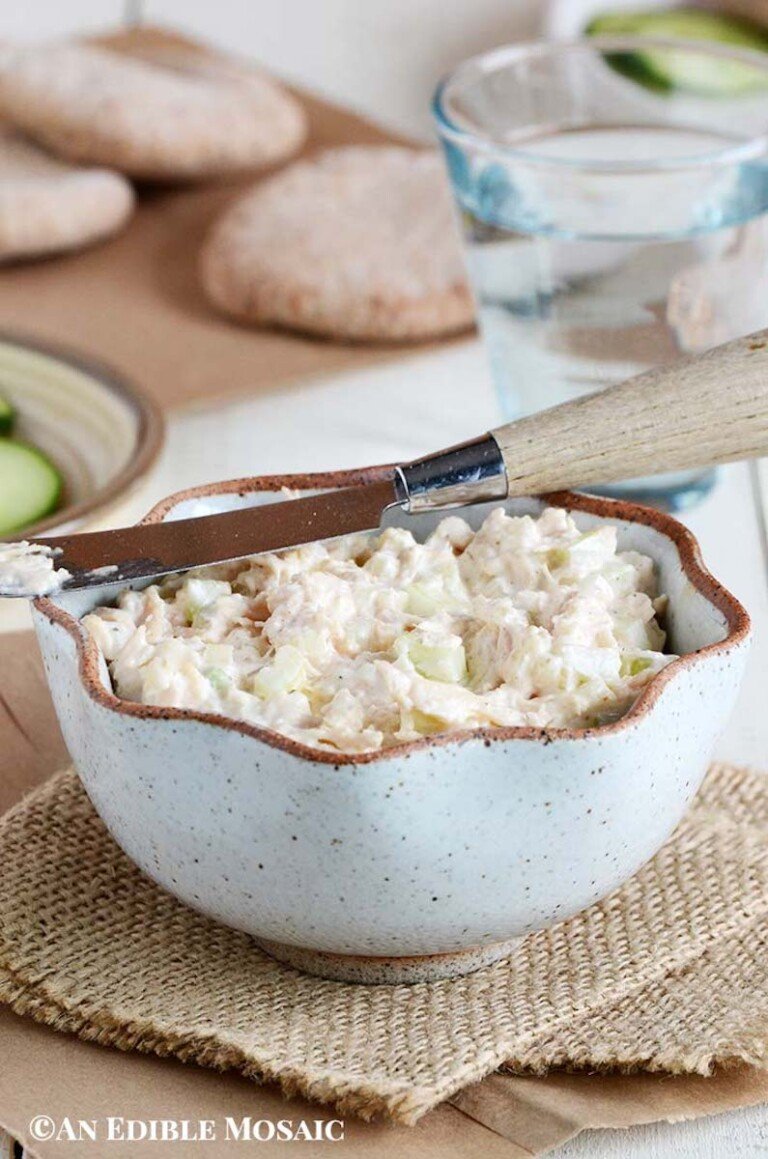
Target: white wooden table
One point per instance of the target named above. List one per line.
(427, 400)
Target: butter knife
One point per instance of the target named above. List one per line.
(694, 412)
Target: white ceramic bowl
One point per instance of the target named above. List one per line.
(422, 860)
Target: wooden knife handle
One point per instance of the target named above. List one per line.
(695, 412)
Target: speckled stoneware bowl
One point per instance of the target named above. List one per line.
(424, 860)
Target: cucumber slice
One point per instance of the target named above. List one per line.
(30, 486)
(7, 416)
(669, 70)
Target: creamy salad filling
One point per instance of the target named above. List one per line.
(29, 569)
(369, 641)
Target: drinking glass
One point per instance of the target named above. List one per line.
(611, 224)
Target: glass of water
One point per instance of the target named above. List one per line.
(612, 222)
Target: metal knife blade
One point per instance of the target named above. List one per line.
(96, 558)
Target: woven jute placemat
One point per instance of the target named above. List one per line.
(669, 973)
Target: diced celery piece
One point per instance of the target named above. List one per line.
(581, 549)
(558, 557)
(634, 665)
(218, 655)
(444, 661)
(200, 593)
(286, 673)
(425, 723)
(425, 600)
(219, 679)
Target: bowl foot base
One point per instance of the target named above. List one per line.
(387, 971)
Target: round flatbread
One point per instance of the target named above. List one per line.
(358, 243)
(47, 205)
(151, 119)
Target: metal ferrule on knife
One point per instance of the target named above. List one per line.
(471, 472)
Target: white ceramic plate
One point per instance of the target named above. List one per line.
(101, 432)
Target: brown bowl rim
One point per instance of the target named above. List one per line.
(150, 430)
(737, 619)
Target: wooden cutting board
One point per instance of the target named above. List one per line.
(135, 302)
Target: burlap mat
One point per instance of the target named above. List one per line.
(669, 973)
